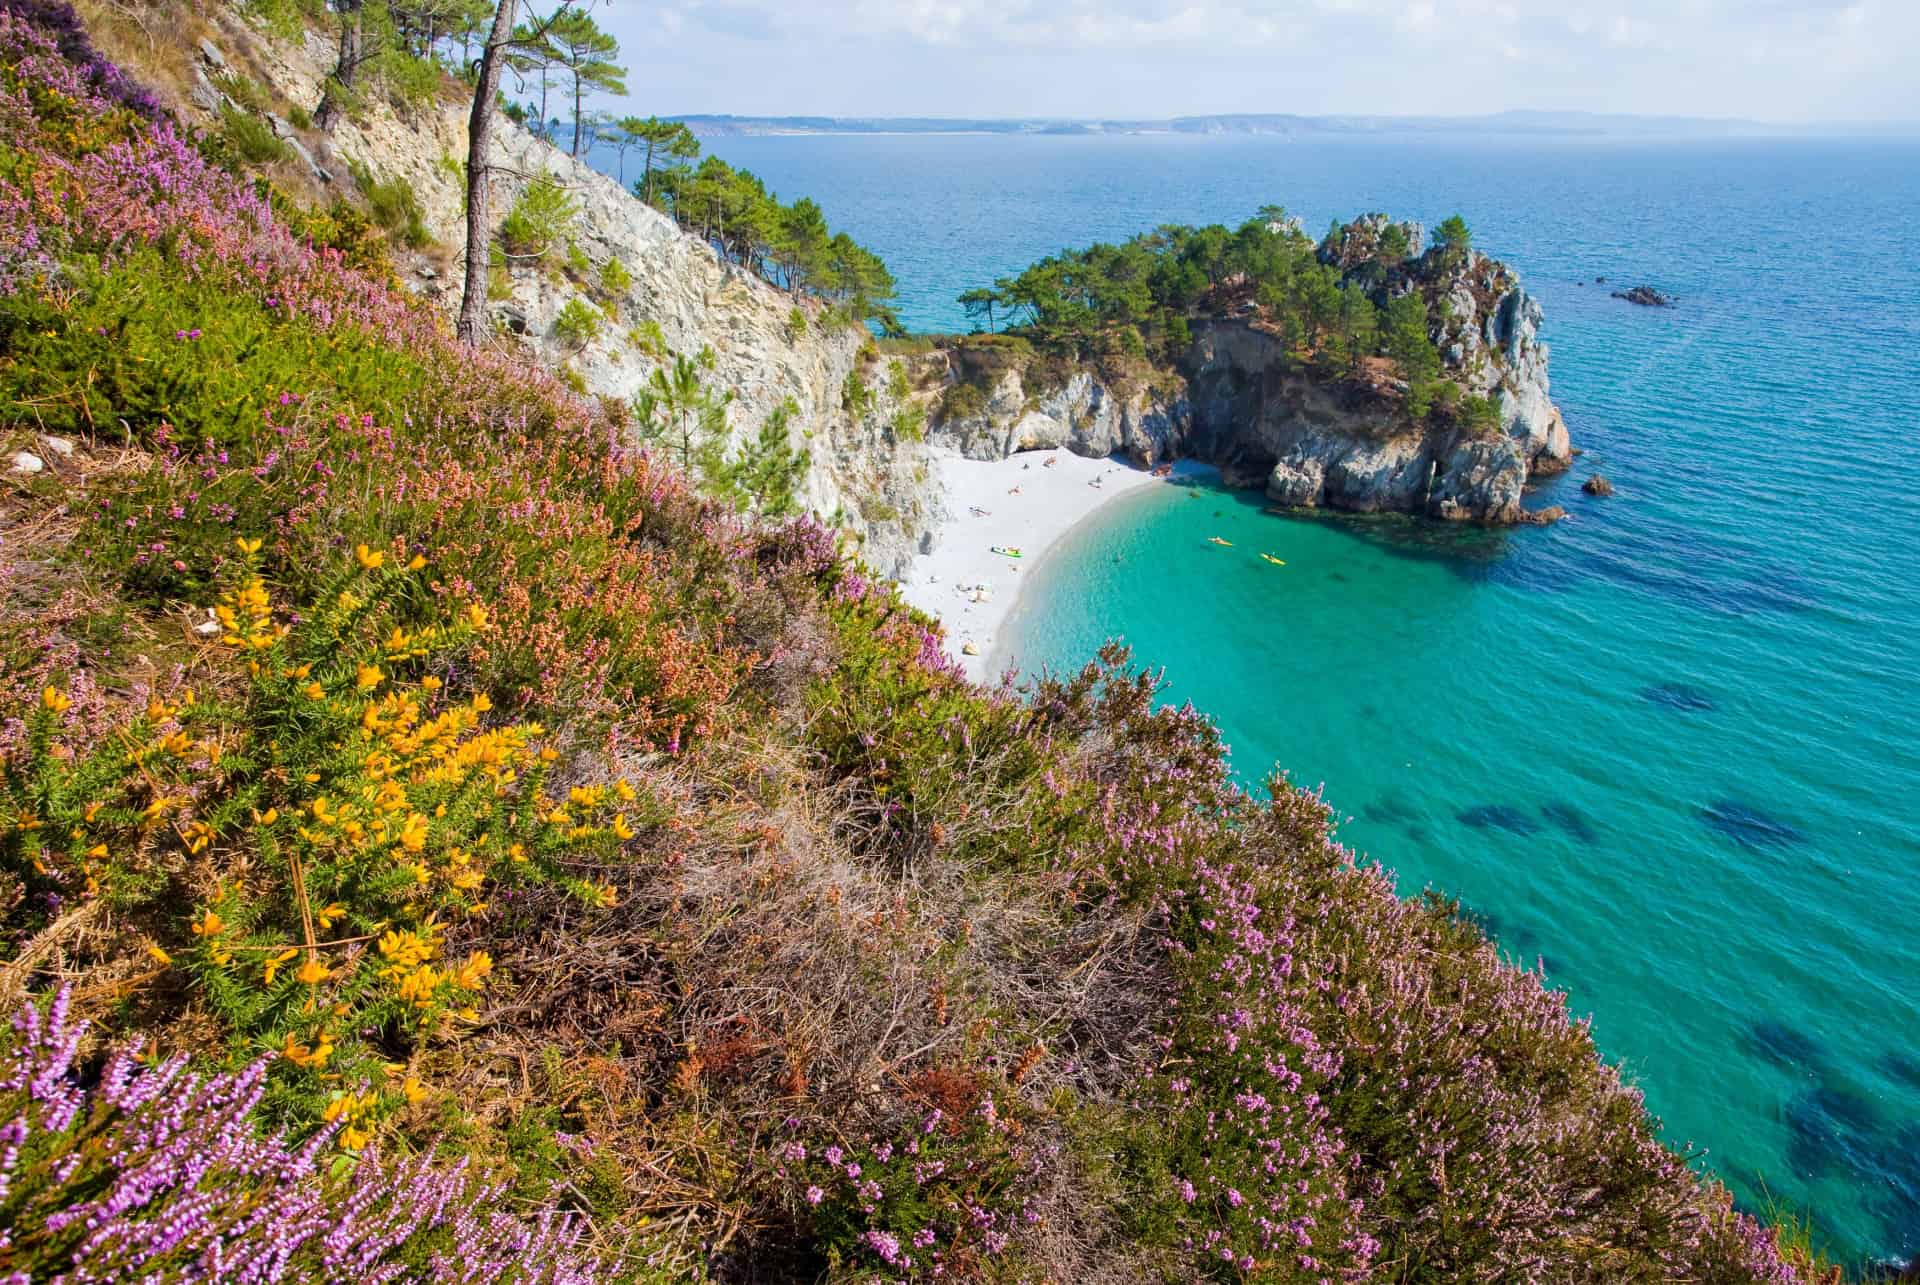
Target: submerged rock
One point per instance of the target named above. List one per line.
(1645, 296)
(1679, 696)
(1499, 816)
(1748, 826)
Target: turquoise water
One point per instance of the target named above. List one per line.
(1668, 747)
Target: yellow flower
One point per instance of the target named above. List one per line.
(56, 700)
(474, 971)
(416, 562)
(314, 691)
(369, 559)
(327, 914)
(476, 615)
(279, 961)
(367, 676)
(625, 791)
(517, 852)
(621, 830)
(247, 547)
(604, 896)
(93, 810)
(413, 1089)
(430, 683)
(198, 836)
(481, 704)
(312, 973)
(98, 852)
(209, 925)
(160, 955)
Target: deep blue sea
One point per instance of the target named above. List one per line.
(1670, 747)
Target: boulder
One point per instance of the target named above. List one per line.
(61, 446)
(1597, 485)
(27, 463)
(1645, 296)
(211, 52)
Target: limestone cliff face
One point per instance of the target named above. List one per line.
(1235, 400)
(872, 479)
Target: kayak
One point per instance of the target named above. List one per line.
(1278, 562)
(1225, 544)
(1004, 552)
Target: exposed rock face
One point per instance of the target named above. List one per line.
(1085, 416)
(872, 479)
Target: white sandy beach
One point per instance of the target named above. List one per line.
(1027, 502)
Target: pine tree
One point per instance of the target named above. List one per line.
(587, 54)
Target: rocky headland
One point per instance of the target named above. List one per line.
(1240, 397)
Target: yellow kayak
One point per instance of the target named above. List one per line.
(1225, 544)
(1278, 562)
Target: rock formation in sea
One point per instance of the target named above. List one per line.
(1239, 399)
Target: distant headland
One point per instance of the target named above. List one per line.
(1560, 124)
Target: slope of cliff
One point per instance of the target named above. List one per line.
(499, 863)
(669, 293)
(1233, 384)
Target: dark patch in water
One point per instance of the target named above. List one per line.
(1829, 1127)
(1390, 809)
(1570, 819)
(1679, 696)
(1904, 1067)
(1786, 1046)
(1748, 826)
(1498, 816)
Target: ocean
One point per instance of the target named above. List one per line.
(1668, 749)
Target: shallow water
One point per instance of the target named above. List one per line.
(1669, 746)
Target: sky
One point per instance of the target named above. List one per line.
(1774, 60)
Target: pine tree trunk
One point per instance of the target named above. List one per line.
(576, 113)
(472, 327)
(327, 115)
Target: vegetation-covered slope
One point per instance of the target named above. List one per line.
(516, 808)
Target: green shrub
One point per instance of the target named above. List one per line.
(395, 207)
(299, 117)
(245, 91)
(614, 277)
(578, 323)
(648, 338)
(540, 221)
(855, 396)
(251, 138)
(412, 82)
(963, 401)
(578, 263)
(796, 325)
(148, 347)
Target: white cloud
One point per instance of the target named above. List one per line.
(1132, 58)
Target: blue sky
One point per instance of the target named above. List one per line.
(1786, 60)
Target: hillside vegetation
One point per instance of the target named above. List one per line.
(475, 855)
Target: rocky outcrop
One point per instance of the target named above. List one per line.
(1645, 296)
(673, 295)
(1239, 400)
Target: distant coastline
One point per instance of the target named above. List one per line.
(1568, 125)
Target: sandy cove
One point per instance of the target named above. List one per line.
(1028, 502)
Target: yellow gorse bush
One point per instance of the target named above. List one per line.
(376, 811)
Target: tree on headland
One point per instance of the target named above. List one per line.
(1452, 238)
(533, 52)
(1411, 348)
(665, 141)
(980, 302)
(587, 54)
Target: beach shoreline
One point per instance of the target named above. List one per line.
(1028, 502)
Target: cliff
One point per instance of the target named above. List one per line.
(864, 476)
(1241, 397)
